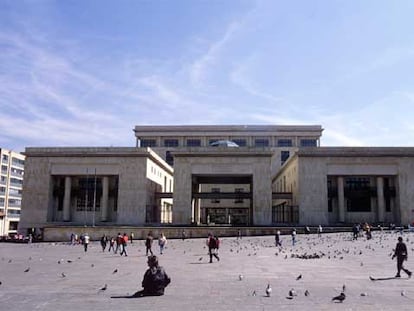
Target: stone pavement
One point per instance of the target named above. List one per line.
(198, 285)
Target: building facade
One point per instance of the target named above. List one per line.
(218, 175)
(332, 185)
(95, 187)
(11, 185)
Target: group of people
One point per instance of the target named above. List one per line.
(155, 279)
(357, 230)
(115, 244)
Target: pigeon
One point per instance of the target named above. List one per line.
(343, 288)
(10, 260)
(292, 293)
(402, 293)
(104, 287)
(115, 271)
(340, 297)
(200, 259)
(240, 277)
(92, 265)
(27, 270)
(63, 275)
(69, 261)
(299, 277)
(268, 290)
(307, 293)
(364, 294)
(254, 293)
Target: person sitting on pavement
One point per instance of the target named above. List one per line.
(155, 279)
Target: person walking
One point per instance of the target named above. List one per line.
(183, 235)
(104, 241)
(86, 242)
(111, 244)
(213, 244)
(162, 241)
(131, 236)
(320, 231)
(118, 242)
(355, 231)
(155, 279)
(239, 234)
(402, 255)
(124, 244)
(278, 242)
(148, 244)
(293, 236)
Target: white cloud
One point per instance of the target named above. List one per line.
(200, 67)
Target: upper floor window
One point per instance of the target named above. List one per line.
(169, 158)
(284, 155)
(308, 143)
(5, 158)
(171, 143)
(17, 162)
(240, 141)
(193, 142)
(261, 142)
(148, 143)
(284, 143)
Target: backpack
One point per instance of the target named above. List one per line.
(213, 242)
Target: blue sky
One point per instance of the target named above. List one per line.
(84, 73)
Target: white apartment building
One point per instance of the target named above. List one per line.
(11, 185)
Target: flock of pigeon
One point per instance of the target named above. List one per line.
(309, 247)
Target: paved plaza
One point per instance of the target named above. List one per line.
(64, 277)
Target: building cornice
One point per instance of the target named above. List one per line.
(356, 152)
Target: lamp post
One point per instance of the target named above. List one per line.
(94, 201)
(86, 195)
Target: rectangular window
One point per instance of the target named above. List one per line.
(261, 142)
(89, 193)
(284, 155)
(284, 143)
(17, 162)
(148, 143)
(241, 142)
(308, 143)
(193, 143)
(5, 158)
(215, 190)
(171, 143)
(358, 194)
(169, 158)
(16, 182)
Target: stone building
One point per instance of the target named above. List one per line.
(11, 184)
(332, 185)
(218, 175)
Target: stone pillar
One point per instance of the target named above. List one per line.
(341, 199)
(182, 193)
(66, 199)
(104, 200)
(380, 199)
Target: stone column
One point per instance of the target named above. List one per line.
(66, 199)
(104, 200)
(380, 198)
(341, 199)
